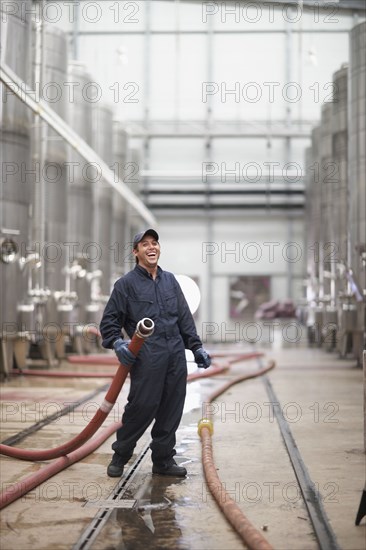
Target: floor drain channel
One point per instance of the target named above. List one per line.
(312, 499)
(107, 506)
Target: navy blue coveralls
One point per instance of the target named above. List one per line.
(159, 374)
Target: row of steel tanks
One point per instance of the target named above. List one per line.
(61, 226)
(335, 216)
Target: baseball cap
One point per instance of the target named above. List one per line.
(139, 236)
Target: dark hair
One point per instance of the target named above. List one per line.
(136, 248)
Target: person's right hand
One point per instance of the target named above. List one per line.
(202, 358)
(125, 356)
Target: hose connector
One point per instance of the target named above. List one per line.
(145, 327)
(205, 423)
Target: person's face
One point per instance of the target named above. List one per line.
(148, 252)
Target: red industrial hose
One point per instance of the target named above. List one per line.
(241, 356)
(235, 353)
(27, 484)
(224, 387)
(144, 329)
(104, 359)
(72, 374)
(62, 373)
(24, 486)
(97, 359)
(253, 539)
(92, 330)
(215, 369)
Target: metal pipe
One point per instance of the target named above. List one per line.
(144, 329)
(21, 90)
(205, 32)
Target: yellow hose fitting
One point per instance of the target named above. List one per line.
(205, 423)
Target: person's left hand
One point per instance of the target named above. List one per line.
(202, 358)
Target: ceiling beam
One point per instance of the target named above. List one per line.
(349, 5)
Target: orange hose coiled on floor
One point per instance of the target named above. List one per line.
(253, 539)
(144, 329)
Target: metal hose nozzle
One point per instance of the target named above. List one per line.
(145, 327)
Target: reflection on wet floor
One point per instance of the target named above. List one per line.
(152, 522)
(142, 512)
(155, 520)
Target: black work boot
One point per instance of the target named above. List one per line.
(172, 469)
(115, 467)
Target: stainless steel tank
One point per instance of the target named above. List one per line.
(309, 221)
(102, 143)
(15, 154)
(121, 217)
(49, 222)
(120, 149)
(339, 155)
(316, 242)
(80, 195)
(80, 188)
(306, 306)
(54, 170)
(317, 235)
(340, 194)
(328, 177)
(357, 171)
(135, 182)
(133, 170)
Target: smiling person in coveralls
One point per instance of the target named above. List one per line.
(159, 372)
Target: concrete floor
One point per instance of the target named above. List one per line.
(321, 398)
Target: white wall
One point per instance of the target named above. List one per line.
(188, 248)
